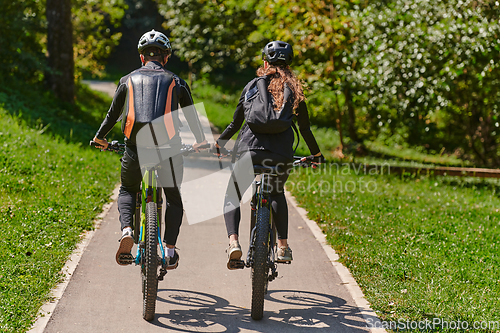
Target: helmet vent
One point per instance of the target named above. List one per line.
(278, 52)
(156, 39)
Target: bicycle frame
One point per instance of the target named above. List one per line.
(150, 192)
(147, 230)
(263, 236)
(260, 199)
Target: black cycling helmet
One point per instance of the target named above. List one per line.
(154, 39)
(278, 52)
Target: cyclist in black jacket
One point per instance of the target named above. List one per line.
(142, 96)
(269, 149)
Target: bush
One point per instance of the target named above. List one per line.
(429, 72)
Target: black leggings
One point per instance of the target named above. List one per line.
(232, 212)
(131, 178)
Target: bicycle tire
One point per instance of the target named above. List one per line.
(150, 267)
(260, 269)
(253, 211)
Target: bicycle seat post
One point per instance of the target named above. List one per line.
(266, 172)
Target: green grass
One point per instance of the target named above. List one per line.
(52, 186)
(219, 103)
(327, 139)
(409, 156)
(72, 123)
(420, 248)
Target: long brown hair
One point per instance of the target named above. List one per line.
(280, 75)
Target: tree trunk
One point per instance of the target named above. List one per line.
(339, 151)
(190, 75)
(352, 115)
(60, 49)
(338, 123)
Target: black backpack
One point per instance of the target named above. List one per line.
(259, 111)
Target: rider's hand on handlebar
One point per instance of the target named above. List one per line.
(218, 150)
(102, 143)
(198, 146)
(314, 159)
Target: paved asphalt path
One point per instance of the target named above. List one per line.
(202, 295)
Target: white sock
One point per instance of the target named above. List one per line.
(125, 230)
(170, 252)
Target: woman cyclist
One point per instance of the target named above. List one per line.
(270, 149)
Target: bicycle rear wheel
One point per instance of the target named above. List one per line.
(150, 263)
(260, 269)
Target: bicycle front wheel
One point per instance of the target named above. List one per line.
(260, 269)
(150, 263)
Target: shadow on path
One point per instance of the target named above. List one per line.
(302, 311)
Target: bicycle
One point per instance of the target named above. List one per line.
(263, 246)
(147, 231)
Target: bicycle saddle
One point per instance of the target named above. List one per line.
(266, 169)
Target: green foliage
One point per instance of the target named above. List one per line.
(24, 37)
(420, 248)
(323, 106)
(327, 139)
(428, 72)
(412, 72)
(94, 35)
(21, 51)
(401, 72)
(319, 32)
(210, 34)
(219, 103)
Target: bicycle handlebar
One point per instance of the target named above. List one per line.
(119, 148)
(188, 149)
(305, 164)
(113, 146)
(296, 163)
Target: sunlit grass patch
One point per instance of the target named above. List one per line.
(420, 248)
(52, 187)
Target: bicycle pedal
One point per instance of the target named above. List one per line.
(288, 262)
(272, 276)
(163, 272)
(236, 264)
(126, 259)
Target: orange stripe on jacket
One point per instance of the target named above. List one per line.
(169, 124)
(129, 124)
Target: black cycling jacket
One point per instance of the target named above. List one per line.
(280, 143)
(149, 93)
